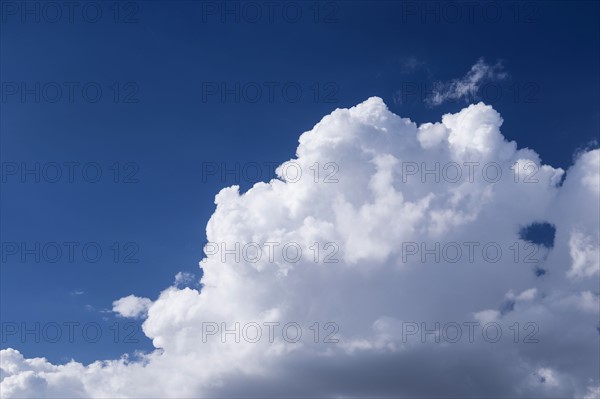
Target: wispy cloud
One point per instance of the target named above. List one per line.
(410, 64)
(468, 86)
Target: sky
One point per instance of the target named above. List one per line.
(121, 121)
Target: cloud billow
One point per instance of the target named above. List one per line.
(400, 312)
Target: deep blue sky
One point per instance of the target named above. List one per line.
(168, 53)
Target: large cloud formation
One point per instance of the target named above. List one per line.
(424, 223)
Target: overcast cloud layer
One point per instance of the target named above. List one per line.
(373, 209)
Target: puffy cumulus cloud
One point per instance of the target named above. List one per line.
(131, 306)
(421, 286)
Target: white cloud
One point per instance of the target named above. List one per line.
(547, 376)
(468, 86)
(593, 393)
(183, 279)
(526, 295)
(585, 301)
(584, 255)
(432, 134)
(487, 316)
(131, 306)
(375, 295)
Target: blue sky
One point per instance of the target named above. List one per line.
(158, 122)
